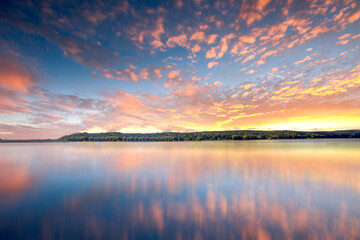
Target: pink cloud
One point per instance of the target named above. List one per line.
(307, 58)
(126, 102)
(253, 11)
(314, 32)
(286, 8)
(266, 55)
(248, 58)
(14, 77)
(132, 74)
(198, 36)
(196, 48)
(173, 79)
(354, 17)
(127, 74)
(12, 102)
(180, 40)
(248, 86)
(173, 74)
(212, 64)
(212, 38)
(152, 33)
(247, 39)
(94, 15)
(345, 36)
(219, 51)
(213, 19)
(179, 3)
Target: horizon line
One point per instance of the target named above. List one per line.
(280, 130)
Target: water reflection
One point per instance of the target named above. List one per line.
(208, 190)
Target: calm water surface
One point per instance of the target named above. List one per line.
(304, 189)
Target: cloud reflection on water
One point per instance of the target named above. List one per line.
(221, 190)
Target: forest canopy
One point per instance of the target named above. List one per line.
(207, 136)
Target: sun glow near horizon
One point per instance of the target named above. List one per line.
(300, 124)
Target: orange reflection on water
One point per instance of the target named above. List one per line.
(15, 179)
(306, 189)
(286, 162)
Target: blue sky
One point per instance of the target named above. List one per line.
(149, 66)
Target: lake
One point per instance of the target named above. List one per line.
(272, 189)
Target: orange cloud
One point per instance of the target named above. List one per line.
(248, 86)
(173, 74)
(354, 17)
(127, 74)
(179, 3)
(265, 55)
(345, 36)
(196, 48)
(307, 58)
(198, 36)
(126, 102)
(173, 79)
(247, 39)
(180, 40)
(219, 51)
(212, 64)
(14, 77)
(213, 19)
(139, 35)
(253, 11)
(248, 58)
(12, 102)
(212, 38)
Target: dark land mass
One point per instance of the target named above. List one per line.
(196, 136)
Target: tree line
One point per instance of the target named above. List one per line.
(206, 136)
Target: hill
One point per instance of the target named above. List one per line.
(207, 136)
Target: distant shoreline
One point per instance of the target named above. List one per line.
(196, 136)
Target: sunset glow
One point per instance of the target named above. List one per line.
(197, 65)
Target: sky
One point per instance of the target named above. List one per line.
(70, 66)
